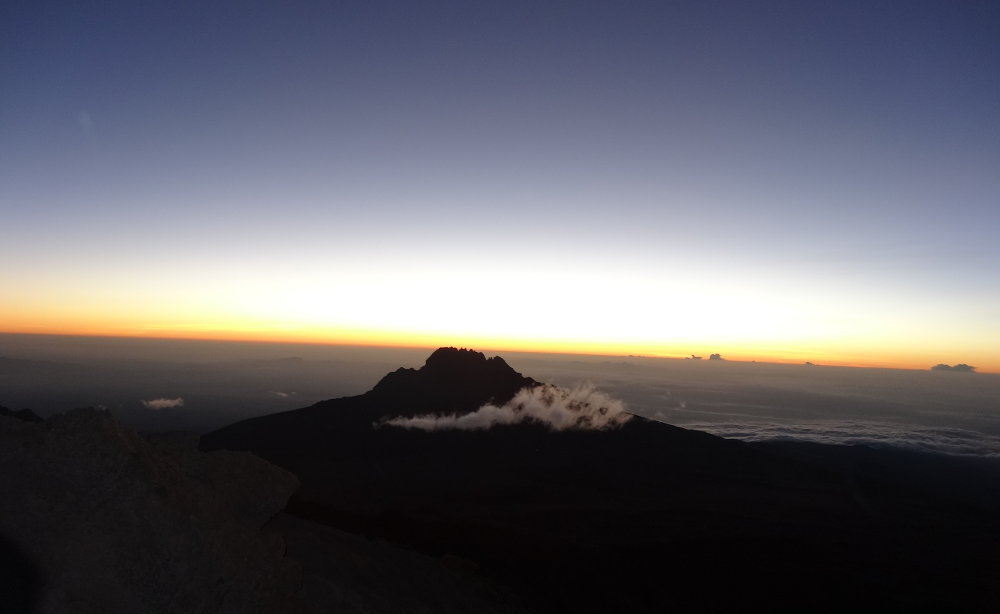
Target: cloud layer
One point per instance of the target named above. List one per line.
(163, 403)
(581, 407)
(876, 435)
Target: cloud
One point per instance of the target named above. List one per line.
(961, 367)
(581, 407)
(283, 395)
(872, 434)
(163, 403)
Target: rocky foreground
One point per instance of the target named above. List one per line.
(96, 518)
(103, 520)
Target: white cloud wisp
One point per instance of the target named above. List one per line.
(581, 407)
(163, 403)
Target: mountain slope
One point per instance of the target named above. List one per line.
(451, 380)
(643, 517)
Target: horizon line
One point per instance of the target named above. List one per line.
(488, 348)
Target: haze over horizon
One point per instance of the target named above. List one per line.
(768, 180)
(171, 384)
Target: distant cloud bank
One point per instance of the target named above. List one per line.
(875, 435)
(163, 403)
(962, 367)
(581, 407)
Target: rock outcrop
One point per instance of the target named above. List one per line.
(96, 518)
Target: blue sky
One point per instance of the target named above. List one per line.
(787, 178)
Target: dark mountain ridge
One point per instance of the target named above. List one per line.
(643, 517)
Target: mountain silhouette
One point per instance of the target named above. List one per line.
(645, 517)
(451, 380)
(22, 414)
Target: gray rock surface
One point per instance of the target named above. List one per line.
(95, 518)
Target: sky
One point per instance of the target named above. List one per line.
(773, 180)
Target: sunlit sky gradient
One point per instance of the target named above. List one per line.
(769, 180)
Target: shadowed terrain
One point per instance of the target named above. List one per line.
(97, 518)
(645, 516)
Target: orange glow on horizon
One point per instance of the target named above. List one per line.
(780, 354)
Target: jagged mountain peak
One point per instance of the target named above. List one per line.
(451, 356)
(450, 380)
(454, 361)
